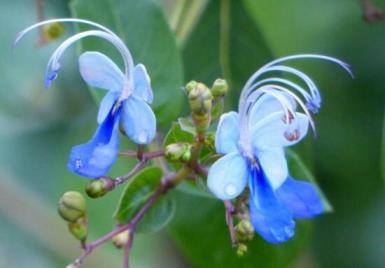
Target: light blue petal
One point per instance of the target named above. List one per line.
(266, 105)
(138, 120)
(142, 84)
(273, 132)
(268, 216)
(95, 158)
(100, 71)
(273, 163)
(106, 105)
(301, 198)
(227, 177)
(227, 135)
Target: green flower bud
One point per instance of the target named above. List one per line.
(244, 230)
(178, 152)
(200, 99)
(79, 229)
(210, 140)
(241, 250)
(98, 188)
(53, 31)
(219, 88)
(190, 86)
(72, 206)
(121, 240)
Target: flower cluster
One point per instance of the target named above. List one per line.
(126, 102)
(253, 142)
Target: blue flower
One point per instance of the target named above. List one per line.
(126, 102)
(253, 142)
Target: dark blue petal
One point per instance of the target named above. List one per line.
(301, 198)
(94, 158)
(269, 217)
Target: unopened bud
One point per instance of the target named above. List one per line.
(200, 99)
(98, 188)
(210, 140)
(219, 88)
(178, 152)
(53, 31)
(244, 230)
(241, 250)
(72, 206)
(121, 240)
(79, 229)
(190, 86)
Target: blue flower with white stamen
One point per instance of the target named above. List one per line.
(253, 142)
(126, 102)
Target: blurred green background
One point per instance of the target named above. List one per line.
(179, 41)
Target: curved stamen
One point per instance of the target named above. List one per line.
(300, 89)
(53, 62)
(245, 91)
(103, 33)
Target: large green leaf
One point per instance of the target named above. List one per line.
(382, 160)
(139, 188)
(142, 26)
(203, 237)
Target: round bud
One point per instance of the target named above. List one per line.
(241, 250)
(190, 86)
(219, 88)
(72, 206)
(200, 99)
(98, 188)
(244, 230)
(121, 240)
(79, 229)
(53, 31)
(178, 152)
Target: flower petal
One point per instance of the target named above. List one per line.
(301, 198)
(272, 131)
(227, 177)
(266, 105)
(142, 84)
(100, 71)
(268, 216)
(94, 158)
(227, 135)
(138, 120)
(274, 165)
(106, 105)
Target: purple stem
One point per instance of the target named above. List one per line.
(136, 169)
(230, 210)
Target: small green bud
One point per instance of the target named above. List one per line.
(79, 229)
(190, 86)
(121, 240)
(210, 140)
(72, 206)
(200, 99)
(53, 31)
(98, 188)
(178, 152)
(244, 230)
(241, 250)
(219, 88)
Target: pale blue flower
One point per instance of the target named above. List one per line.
(253, 142)
(126, 102)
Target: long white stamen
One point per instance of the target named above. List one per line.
(104, 33)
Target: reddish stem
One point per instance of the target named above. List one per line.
(230, 210)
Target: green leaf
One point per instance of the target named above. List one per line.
(383, 149)
(142, 26)
(299, 170)
(176, 134)
(139, 188)
(197, 188)
(158, 216)
(203, 237)
(186, 125)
